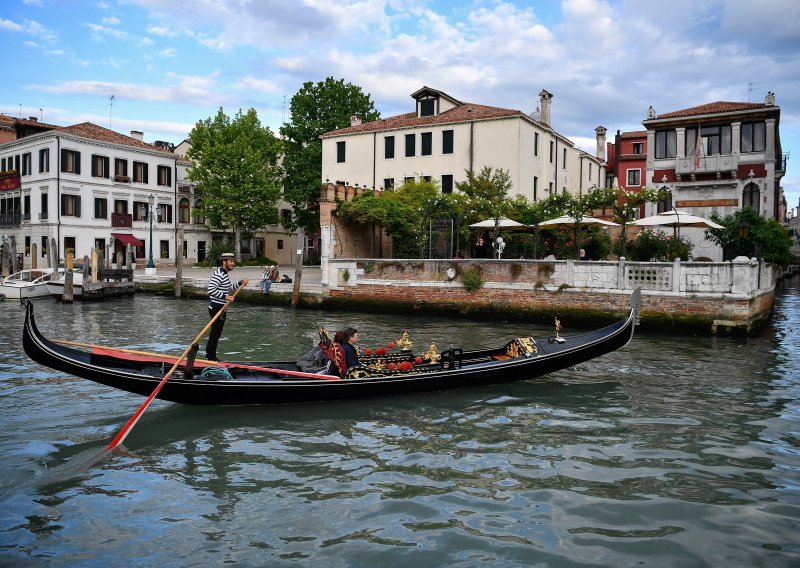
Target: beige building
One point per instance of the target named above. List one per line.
(444, 137)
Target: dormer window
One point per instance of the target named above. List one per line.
(427, 107)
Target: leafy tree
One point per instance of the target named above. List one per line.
(236, 166)
(315, 109)
(768, 234)
(623, 203)
(485, 196)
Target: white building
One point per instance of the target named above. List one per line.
(443, 137)
(86, 187)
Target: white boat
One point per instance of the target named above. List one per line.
(28, 283)
(55, 286)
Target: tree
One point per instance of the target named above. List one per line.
(486, 196)
(236, 166)
(315, 109)
(623, 203)
(766, 234)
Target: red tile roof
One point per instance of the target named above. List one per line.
(636, 134)
(712, 108)
(95, 132)
(467, 112)
(34, 123)
(6, 122)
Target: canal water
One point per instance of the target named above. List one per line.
(675, 451)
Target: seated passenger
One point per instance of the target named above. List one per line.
(350, 340)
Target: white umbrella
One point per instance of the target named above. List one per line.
(676, 219)
(566, 221)
(502, 222)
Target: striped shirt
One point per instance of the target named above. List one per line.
(219, 286)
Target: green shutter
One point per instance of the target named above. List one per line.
(77, 205)
(63, 203)
(77, 163)
(144, 167)
(107, 162)
(63, 160)
(94, 166)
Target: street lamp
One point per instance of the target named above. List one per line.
(744, 230)
(151, 201)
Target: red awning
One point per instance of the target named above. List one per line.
(126, 239)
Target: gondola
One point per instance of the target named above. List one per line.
(283, 382)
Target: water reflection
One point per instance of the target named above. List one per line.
(677, 449)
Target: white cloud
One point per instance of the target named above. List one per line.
(29, 27)
(251, 84)
(32, 2)
(168, 53)
(100, 33)
(111, 21)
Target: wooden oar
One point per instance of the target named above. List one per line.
(228, 364)
(138, 414)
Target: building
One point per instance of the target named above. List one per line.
(718, 157)
(85, 186)
(443, 137)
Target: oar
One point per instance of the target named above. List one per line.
(138, 414)
(230, 365)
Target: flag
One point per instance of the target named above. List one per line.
(697, 147)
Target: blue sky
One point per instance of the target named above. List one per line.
(169, 63)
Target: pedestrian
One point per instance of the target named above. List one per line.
(219, 286)
(269, 277)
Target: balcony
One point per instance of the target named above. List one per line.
(43, 216)
(708, 164)
(26, 216)
(122, 179)
(185, 186)
(10, 219)
(121, 221)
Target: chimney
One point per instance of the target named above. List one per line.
(601, 142)
(138, 134)
(355, 120)
(545, 99)
(33, 119)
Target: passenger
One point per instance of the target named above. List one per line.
(349, 344)
(334, 350)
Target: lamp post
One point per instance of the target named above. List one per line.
(151, 266)
(744, 230)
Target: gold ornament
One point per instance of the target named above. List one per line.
(432, 355)
(404, 343)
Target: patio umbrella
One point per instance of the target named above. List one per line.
(568, 222)
(676, 219)
(501, 222)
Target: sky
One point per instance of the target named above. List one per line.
(169, 64)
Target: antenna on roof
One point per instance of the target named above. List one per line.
(750, 88)
(283, 111)
(41, 115)
(110, 107)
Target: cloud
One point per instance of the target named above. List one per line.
(258, 85)
(168, 53)
(100, 33)
(31, 28)
(111, 21)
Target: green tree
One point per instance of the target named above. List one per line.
(623, 203)
(486, 196)
(315, 109)
(767, 234)
(236, 166)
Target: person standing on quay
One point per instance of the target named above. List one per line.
(219, 286)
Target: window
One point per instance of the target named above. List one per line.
(535, 187)
(754, 137)
(280, 244)
(286, 217)
(44, 160)
(121, 167)
(427, 108)
(550, 187)
(120, 206)
(634, 178)
(408, 179)
(590, 171)
(340, 152)
(447, 183)
(388, 147)
(535, 143)
(16, 162)
(164, 175)
(185, 249)
(164, 249)
(183, 211)
(139, 172)
(638, 147)
(27, 165)
(426, 179)
(44, 206)
(100, 166)
(388, 183)
(664, 204)
(751, 196)
(100, 208)
(426, 141)
(410, 145)
(44, 247)
(70, 205)
(70, 161)
(69, 246)
(715, 140)
(447, 142)
(552, 151)
(26, 206)
(666, 144)
(27, 246)
(164, 212)
(140, 211)
(199, 216)
(2, 165)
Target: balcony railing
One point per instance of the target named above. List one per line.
(122, 179)
(121, 220)
(708, 164)
(26, 216)
(42, 215)
(10, 219)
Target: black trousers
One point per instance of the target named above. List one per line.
(216, 330)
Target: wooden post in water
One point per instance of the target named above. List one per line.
(298, 269)
(14, 266)
(34, 256)
(97, 262)
(67, 294)
(179, 263)
(52, 254)
(3, 261)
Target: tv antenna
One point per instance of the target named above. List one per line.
(283, 110)
(751, 87)
(110, 107)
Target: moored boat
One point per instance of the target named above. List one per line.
(55, 287)
(28, 283)
(279, 382)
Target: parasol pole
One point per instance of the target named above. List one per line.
(120, 437)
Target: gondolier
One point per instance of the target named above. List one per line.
(219, 286)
